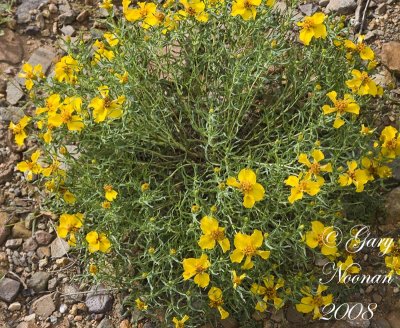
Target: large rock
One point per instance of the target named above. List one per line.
(390, 56)
(11, 50)
(11, 114)
(71, 294)
(43, 237)
(23, 10)
(4, 227)
(9, 289)
(342, 7)
(394, 319)
(59, 247)
(43, 56)
(392, 206)
(44, 306)
(14, 92)
(19, 231)
(358, 322)
(105, 323)
(99, 300)
(38, 281)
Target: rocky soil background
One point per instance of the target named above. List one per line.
(38, 288)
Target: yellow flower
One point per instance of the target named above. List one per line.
(347, 267)
(106, 4)
(245, 8)
(362, 84)
(69, 197)
(102, 52)
(67, 116)
(197, 267)
(170, 23)
(105, 107)
(212, 233)
(122, 78)
(66, 69)
(140, 305)
(30, 167)
(366, 130)
(111, 39)
(365, 52)
(322, 237)
(247, 246)
(92, 268)
(195, 208)
(237, 280)
(341, 106)
(180, 323)
(302, 184)
(195, 9)
(106, 204)
(110, 193)
(154, 19)
(19, 130)
(140, 13)
(374, 168)
(247, 184)
(53, 169)
(216, 301)
(268, 292)
(312, 26)
(315, 168)
(69, 224)
(313, 303)
(31, 74)
(393, 263)
(390, 140)
(354, 176)
(388, 246)
(98, 242)
(144, 187)
(51, 105)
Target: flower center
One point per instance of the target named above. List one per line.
(199, 268)
(107, 102)
(246, 186)
(391, 144)
(308, 24)
(318, 301)
(191, 11)
(360, 47)
(66, 116)
(216, 302)
(217, 235)
(107, 188)
(315, 168)
(341, 105)
(247, 5)
(249, 250)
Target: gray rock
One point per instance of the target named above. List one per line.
(38, 282)
(44, 306)
(52, 284)
(392, 206)
(43, 237)
(381, 323)
(9, 289)
(71, 294)
(11, 49)
(342, 7)
(358, 322)
(4, 227)
(11, 114)
(29, 245)
(59, 247)
(395, 166)
(13, 243)
(23, 10)
(67, 18)
(308, 9)
(292, 315)
(14, 92)
(68, 30)
(83, 16)
(53, 8)
(105, 323)
(99, 300)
